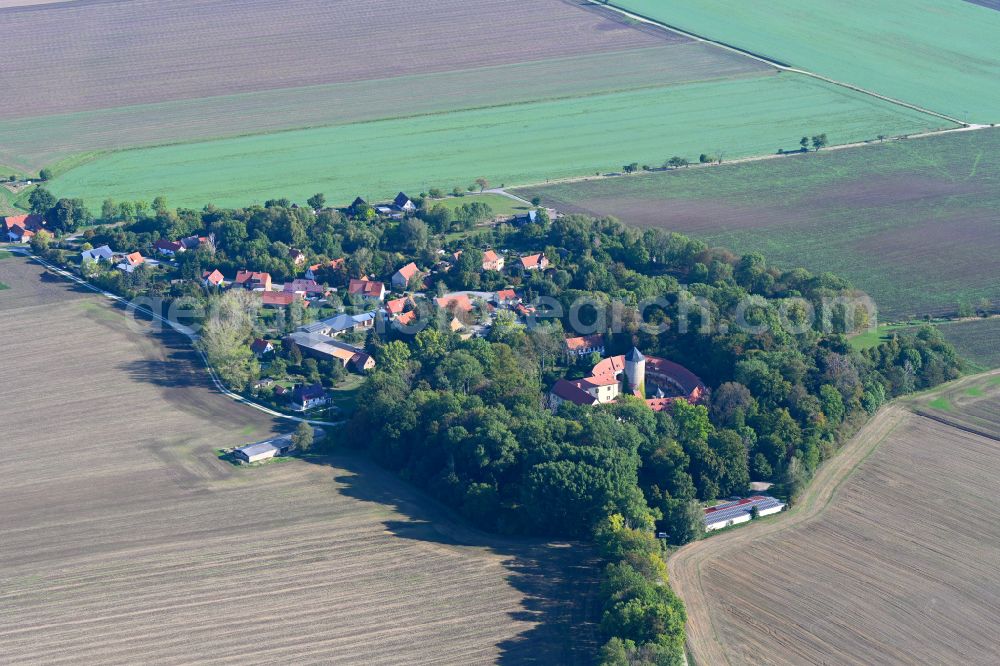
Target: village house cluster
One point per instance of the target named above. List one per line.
(399, 299)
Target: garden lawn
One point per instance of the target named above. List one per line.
(938, 54)
(501, 205)
(521, 143)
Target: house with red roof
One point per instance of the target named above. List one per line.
(455, 303)
(535, 262)
(506, 298)
(367, 289)
(168, 248)
(396, 306)
(583, 345)
(492, 261)
(213, 278)
(402, 278)
(261, 347)
(312, 272)
(406, 319)
(307, 288)
(253, 280)
(588, 391)
(22, 228)
(280, 299)
(131, 262)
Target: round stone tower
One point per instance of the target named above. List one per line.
(635, 371)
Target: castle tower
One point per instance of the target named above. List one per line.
(635, 371)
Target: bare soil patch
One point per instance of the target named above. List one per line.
(82, 56)
(125, 539)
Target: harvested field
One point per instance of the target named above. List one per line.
(126, 540)
(914, 223)
(94, 55)
(891, 563)
(563, 138)
(36, 141)
(938, 54)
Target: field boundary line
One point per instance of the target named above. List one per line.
(752, 158)
(686, 563)
(952, 424)
(179, 328)
(782, 66)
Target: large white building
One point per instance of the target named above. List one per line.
(740, 511)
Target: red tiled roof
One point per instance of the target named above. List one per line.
(365, 287)
(660, 404)
(584, 342)
(27, 222)
(506, 295)
(532, 260)
(247, 276)
(407, 318)
(571, 392)
(134, 259)
(213, 277)
(459, 302)
(278, 298)
(169, 246)
(409, 271)
(599, 380)
(396, 306)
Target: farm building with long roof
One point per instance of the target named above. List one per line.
(740, 511)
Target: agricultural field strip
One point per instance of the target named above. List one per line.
(91, 55)
(524, 143)
(934, 54)
(137, 535)
(884, 216)
(33, 142)
(690, 564)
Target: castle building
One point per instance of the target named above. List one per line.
(656, 380)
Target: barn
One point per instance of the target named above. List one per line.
(740, 511)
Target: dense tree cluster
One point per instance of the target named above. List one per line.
(465, 418)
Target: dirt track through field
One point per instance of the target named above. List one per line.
(125, 540)
(890, 557)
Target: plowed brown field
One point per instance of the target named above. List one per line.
(93, 55)
(890, 558)
(123, 538)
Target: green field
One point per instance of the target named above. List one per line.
(939, 54)
(501, 205)
(522, 143)
(37, 141)
(914, 223)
